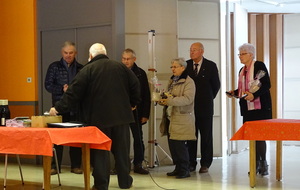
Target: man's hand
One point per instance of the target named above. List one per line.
(65, 87)
(53, 111)
(144, 120)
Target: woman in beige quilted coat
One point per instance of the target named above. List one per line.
(178, 117)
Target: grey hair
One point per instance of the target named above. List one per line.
(128, 50)
(97, 49)
(68, 43)
(249, 48)
(181, 61)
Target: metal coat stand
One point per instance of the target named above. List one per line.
(153, 144)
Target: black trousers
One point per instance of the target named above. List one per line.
(204, 126)
(100, 159)
(253, 115)
(138, 144)
(180, 155)
(74, 152)
(75, 156)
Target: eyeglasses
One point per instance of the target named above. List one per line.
(241, 54)
(194, 50)
(126, 59)
(175, 67)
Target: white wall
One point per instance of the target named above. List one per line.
(240, 36)
(291, 88)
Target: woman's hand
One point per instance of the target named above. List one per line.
(163, 102)
(230, 94)
(249, 96)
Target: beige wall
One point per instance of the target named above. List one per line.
(200, 21)
(142, 16)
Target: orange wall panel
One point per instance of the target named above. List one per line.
(18, 49)
(23, 110)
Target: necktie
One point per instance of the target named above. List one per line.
(196, 69)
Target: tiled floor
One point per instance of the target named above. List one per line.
(225, 173)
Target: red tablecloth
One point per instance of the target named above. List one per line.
(271, 129)
(39, 141)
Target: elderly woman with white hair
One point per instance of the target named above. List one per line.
(179, 113)
(254, 97)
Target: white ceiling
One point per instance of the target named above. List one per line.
(270, 6)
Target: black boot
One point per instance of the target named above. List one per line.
(257, 167)
(264, 167)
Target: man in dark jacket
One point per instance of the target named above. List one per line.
(142, 112)
(107, 92)
(206, 77)
(59, 76)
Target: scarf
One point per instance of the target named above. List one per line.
(174, 81)
(245, 79)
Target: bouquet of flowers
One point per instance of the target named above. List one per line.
(156, 94)
(256, 84)
(165, 95)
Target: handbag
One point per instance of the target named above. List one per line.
(165, 122)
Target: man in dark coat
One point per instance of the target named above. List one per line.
(59, 76)
(206, 77)
(141, 113)
(107, 92)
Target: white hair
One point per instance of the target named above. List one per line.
(97, 49)
(249, 48)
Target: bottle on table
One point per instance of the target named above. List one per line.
(4, 112)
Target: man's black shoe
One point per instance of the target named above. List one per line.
(53, 171)
(140, 170)
(203, 169)
(173, 173)
(192, 168)
(183, 175)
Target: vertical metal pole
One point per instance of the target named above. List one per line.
(152, 120)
